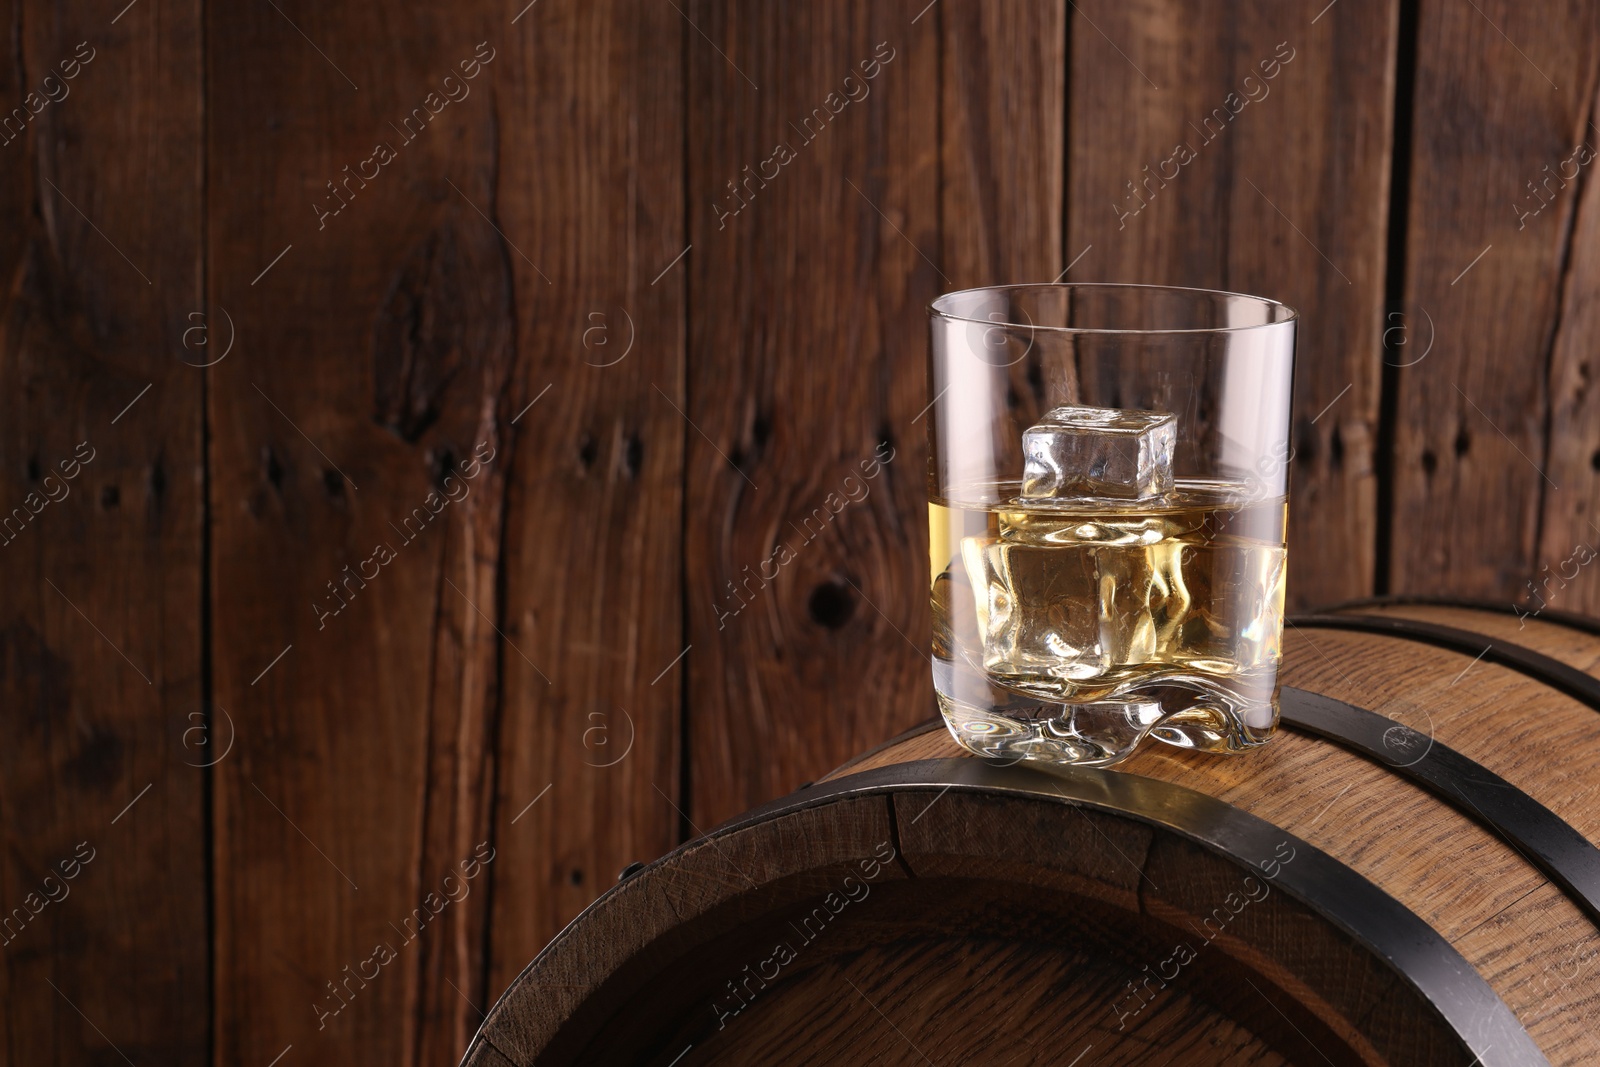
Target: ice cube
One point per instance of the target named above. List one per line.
(1038, 613)
(1234, 623)
(1077, 451)
(1059, 617)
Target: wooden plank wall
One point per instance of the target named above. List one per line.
(507, 430)
(1490, 228)
(104, 873)
(1285, 123)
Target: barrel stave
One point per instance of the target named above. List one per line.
(1008, 928)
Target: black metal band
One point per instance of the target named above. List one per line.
(1571, 620)
(1543, 838)
(1552, 672)
(1384, 926)
(1533, 830)
(1540, 836)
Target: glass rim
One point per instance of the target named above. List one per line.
(1291, 314)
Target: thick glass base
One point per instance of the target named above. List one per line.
(1185, 710)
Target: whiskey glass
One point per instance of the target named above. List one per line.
(1107, 507)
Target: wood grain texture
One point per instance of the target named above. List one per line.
(1371, 829)
(590, 735)
(358, 513)
(942, 956)
(1541, 954)
(1172, 885)
(1522, 626)
(1564, 576)
(486, 1055)
(924, 991)
(1545, 971)
(1548, 755)
(805, 497)
(103, 895)
(1280, 189)
(681, 908)
(1525, 937)
(1441, 865)
(675, 591)
(1471, 419)
(1002, 123)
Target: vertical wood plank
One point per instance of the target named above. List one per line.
(813, 208)
(1002, 153)
(1003, 121)
(1280, 189)
(360, 446)
(1502, 91)
(103, 905)
(592, 161)
(1568, 536)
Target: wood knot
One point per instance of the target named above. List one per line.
(832, 604)
(446, 314)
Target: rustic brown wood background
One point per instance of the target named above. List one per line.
(579, 651)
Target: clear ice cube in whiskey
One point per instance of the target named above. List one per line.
(1077, 451)
(1161, 615)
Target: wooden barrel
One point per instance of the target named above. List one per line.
(1405, 875)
